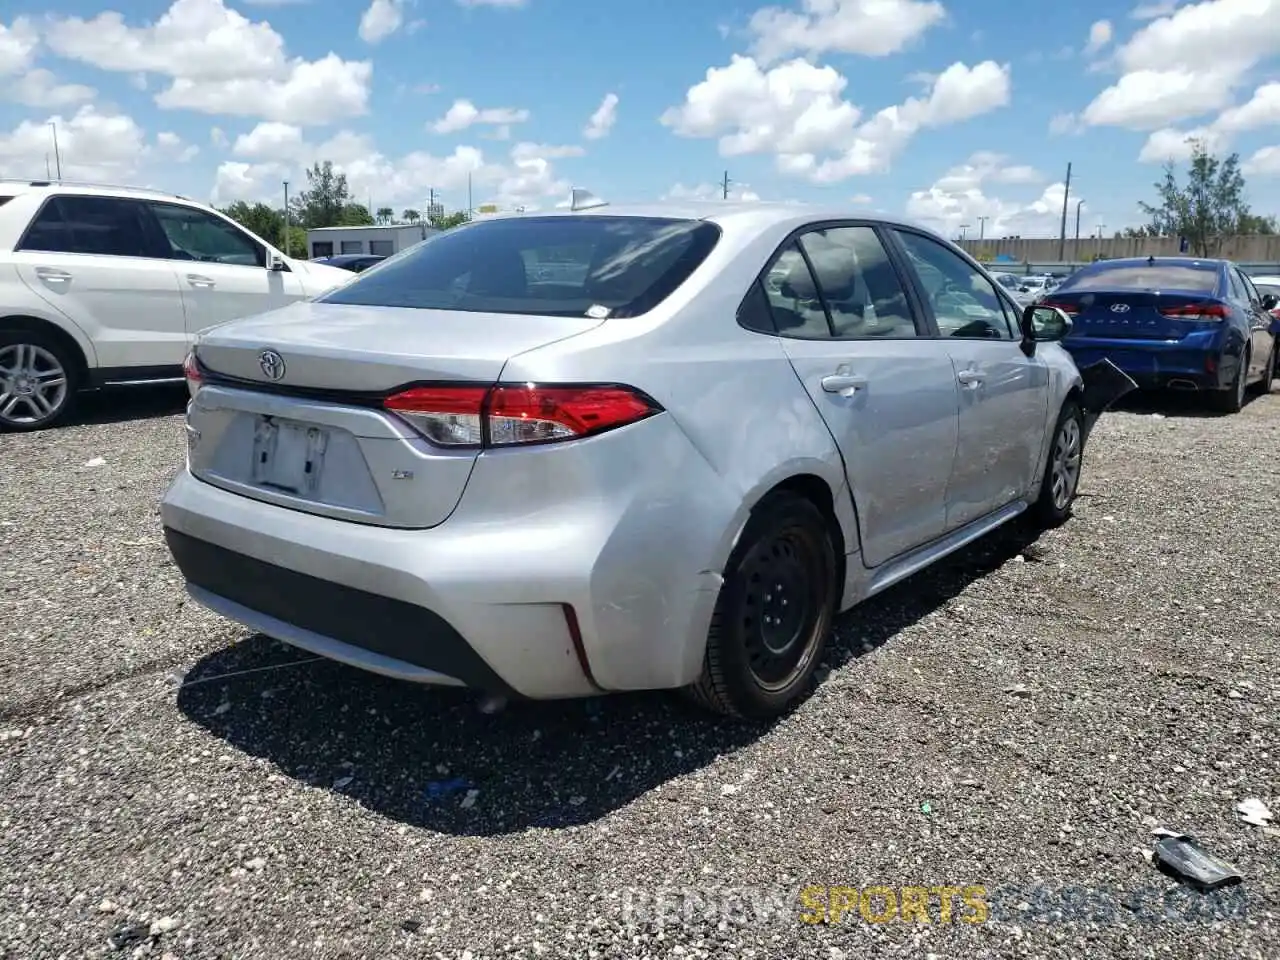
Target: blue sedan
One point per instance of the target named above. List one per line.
(1174, 322)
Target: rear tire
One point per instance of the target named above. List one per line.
(1061, 478)
(774, 613)
(1232, 399)
(38, 381)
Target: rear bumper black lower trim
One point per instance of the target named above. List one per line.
(383, 625)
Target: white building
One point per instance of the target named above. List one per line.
(376, 240)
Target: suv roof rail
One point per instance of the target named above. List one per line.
(55, 182)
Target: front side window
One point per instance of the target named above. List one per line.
(965, 303)
(858, 283)
(105, 226)
(193, 234)
(567, 266)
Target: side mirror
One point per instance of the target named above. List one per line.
(1043, 324)
(1270, 301)
(275, 263)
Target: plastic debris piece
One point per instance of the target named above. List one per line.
(1254, 811)
(97, 462)
(1181, 856)
(926, 807)
(342, 782)
(469, 800)
(438, 789)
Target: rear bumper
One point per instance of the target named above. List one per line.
(481, 600)
(1159, 364)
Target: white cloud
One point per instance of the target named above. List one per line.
(1174, 68)
(1170, 144)
(602, 121)
(711, 191)
(958, 198)
(381, 20)
(37, 87)
(872, 28)
(1150, 11)
(18, 43)
(92, 145)
(1064, 123)
(1099, 36)
(219, 62)
(173, 147)
(797, 111)
(270, 140)
(218, 137)
(1263, 163)
(862, 199)
(464, 114)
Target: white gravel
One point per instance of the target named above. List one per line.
(1023, 716)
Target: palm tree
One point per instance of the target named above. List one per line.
(385, 214)
(411, 216)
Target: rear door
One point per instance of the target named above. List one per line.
(221, 270)
(97, 260)
(1004, 394)
(885, 389)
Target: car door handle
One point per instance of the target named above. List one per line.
(845, 384)
(970, 378)
(196, 280)
(52, 275)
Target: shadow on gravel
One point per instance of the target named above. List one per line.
(412, 754)
(1174, 403)
(119, 404)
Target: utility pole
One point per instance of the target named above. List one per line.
(48, 174)
(1062, 234)
(286, 219)
(724, 186)
(57, 155)
(1098, 249)
(1079, 204)
(963, 227)
(431, 201)
(982, 228)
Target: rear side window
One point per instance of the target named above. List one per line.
(1197, 279)
(98, 225)
(567, 266)
(859, 283)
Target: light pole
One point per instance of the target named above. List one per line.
(57, 156)
(286, 218)
(963, 228)
(982, 228)
(1079, 204)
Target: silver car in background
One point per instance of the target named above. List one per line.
(554, 455)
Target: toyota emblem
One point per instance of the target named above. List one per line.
(1119, 308)
(272, 364)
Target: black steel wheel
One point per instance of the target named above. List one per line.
(774, 612)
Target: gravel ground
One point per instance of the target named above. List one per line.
(1019, 718)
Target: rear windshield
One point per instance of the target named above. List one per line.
(1200, 279)
(564, 266)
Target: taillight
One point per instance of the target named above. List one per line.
(1209, 310)
(191, 370)
(512, 414)
(1070, 309)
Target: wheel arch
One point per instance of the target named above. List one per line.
(80, 353)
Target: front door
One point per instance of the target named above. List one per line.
(1004, 394)
(222, 271)
(886, 392)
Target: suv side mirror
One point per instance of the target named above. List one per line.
(1270, 301)
(1043, 324)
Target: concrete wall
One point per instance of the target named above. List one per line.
(1251, 249)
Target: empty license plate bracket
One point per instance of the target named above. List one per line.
(288, 457)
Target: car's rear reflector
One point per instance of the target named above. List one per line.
(512, 414)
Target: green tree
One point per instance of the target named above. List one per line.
(447, 221)
(327, 201)
(385, 215)
(1256, 224)
(258, 218)
(411, 216)
(1210, 207)
(354, 215)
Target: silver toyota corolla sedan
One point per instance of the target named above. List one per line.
(554, 455)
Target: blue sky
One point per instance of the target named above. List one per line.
(949, 112)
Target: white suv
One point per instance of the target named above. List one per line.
(103, 285)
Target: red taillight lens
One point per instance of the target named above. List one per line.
(1070, 309)
(512, 414)
(191, 370)
(1197, 311)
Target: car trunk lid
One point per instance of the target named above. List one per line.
(1137, 314)
(289, 409)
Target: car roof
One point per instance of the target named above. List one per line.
(15, 186)
(754, 214)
